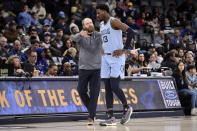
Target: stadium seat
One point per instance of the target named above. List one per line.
(156, 3)
(144, 2)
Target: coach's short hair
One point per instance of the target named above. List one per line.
(103, 7)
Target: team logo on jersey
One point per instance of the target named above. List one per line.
(105, 31)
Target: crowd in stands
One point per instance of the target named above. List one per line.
(38, 32)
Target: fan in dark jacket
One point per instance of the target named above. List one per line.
(183, 86)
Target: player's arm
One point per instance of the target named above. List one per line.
(118, 25)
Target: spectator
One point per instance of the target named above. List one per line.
(25, 42)
(187, 30)
(48, 19)
(160, 38)
(61, 23)
(132, 65)
(191, 76)
(15, 61)
(3, 54)
(156, 13)
(46, 28)
(142, 63)
(70, 57)
(188, 8)
(195, 39)
(112, 6)
(124, 39)
(78, 14)
(52, 70)
(131, 23)
(170, 61)
(55, 50)
(17, 51)
(159, 54)
(131, 11)
(180, 20)
(47, 38)
(192, 48)
(91, 12)
(171, 13)
(41, 63)
(141, 60)
(189, 59)
(184, 42)
(25, 19)
(20, 31)
(167, 45)
(181, 54)
(32, 58)
(155, 24)
(33, 33)
(182, 84)
(152, 62)
(3, 19)
(11, 34)
(4, 44)
(49, 58)
(67, 44)
(176, 39)
(67, 70)
(119, 11)
(34, 45)
(167, 26)
(74, 29)
(31, 61)
(142, 19)
(35, 18)
(151, 49)
(39, 10)
(59, 37)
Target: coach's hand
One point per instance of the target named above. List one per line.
(117, 53)
(84, 33)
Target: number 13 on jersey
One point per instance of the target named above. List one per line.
(105, 39)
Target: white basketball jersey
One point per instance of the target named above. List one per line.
(112, 39)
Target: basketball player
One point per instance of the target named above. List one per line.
(90, 45)
(112, 68)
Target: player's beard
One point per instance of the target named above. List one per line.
(90, 29)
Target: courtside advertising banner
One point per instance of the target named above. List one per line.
(43, 96)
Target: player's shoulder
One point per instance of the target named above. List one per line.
(114, 20)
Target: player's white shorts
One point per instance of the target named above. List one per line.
(113, 66)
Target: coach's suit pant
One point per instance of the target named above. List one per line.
(89, 97)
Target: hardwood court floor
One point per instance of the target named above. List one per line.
(183, 123)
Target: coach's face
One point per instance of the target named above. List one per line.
(88, 25)
(100, 14)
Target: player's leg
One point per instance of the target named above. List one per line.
(117, 70)
(105, 75)
(109, 97)
(110, 121)
(94, 93)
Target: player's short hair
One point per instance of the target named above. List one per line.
(103, 7)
